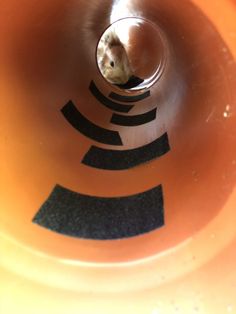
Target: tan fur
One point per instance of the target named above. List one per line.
(113, 59)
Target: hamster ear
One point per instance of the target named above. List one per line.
(114, 40)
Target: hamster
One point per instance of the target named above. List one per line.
(113, 60)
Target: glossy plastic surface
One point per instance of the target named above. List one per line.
(47, 57)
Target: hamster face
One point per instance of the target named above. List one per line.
(113, 60)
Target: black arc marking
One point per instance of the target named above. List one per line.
(99, 218)
(134, 120)
(126, 98)
(134, 81)
(124, 159)
(108, 102)
(86, 127)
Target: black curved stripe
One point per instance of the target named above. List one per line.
(124, 159)
(134, 120)
(91, 217)
(106, 101)
(86, 127)
(133, 81)
(126, 98)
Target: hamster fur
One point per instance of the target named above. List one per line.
(113, 59)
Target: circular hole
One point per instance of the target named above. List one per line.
(131, 54)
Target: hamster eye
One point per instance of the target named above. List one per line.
(112, 64)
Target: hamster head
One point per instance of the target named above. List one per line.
(113, 60)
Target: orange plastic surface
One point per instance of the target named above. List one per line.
(47, 57)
